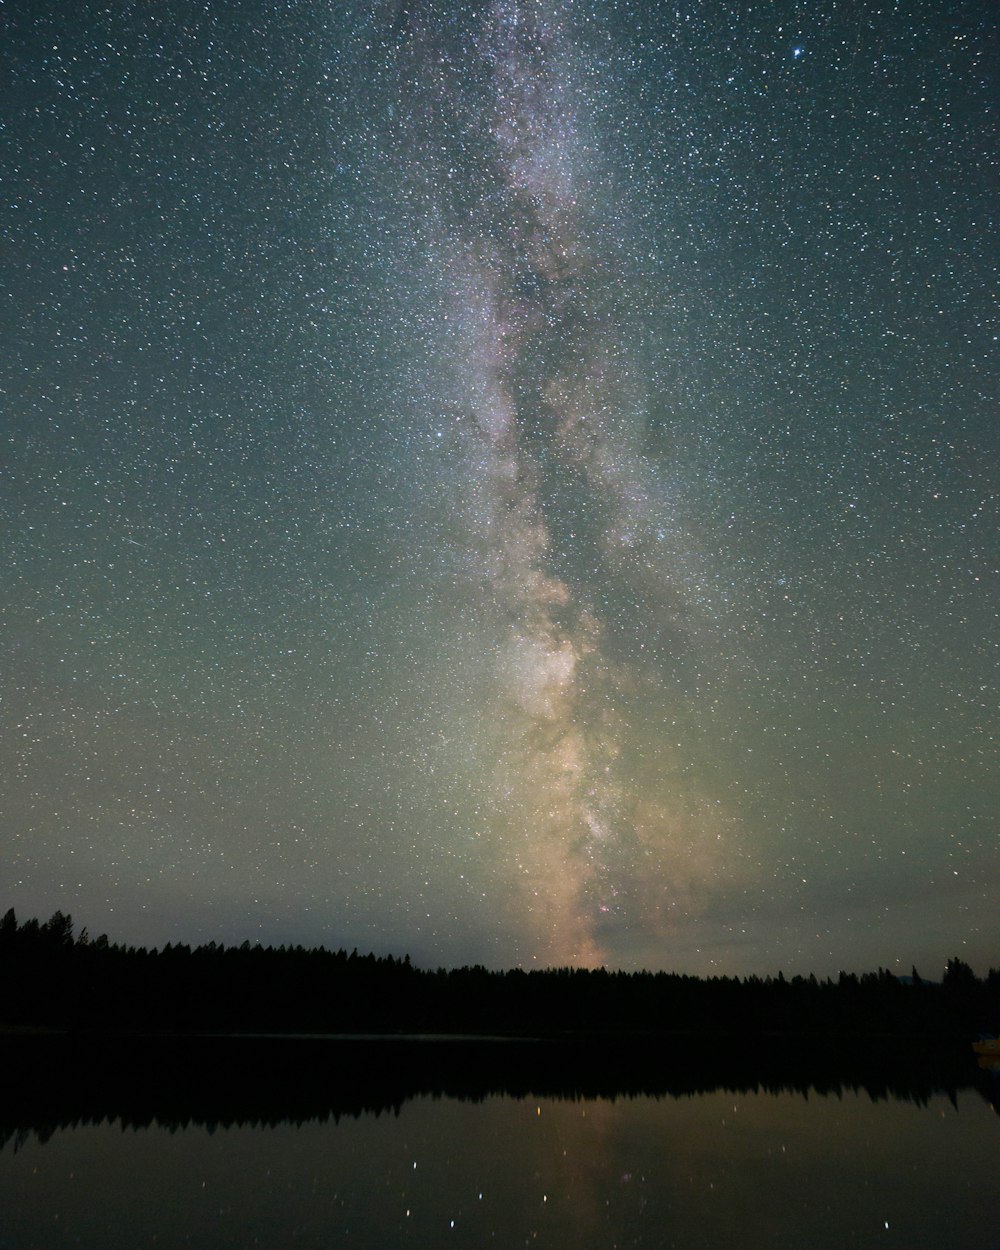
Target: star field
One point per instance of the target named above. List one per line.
(512, 482)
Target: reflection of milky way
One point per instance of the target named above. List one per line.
(560, 503)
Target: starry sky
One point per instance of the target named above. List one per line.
(509, 481)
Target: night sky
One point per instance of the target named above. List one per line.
(507, 481)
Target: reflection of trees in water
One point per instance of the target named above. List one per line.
(58, 1082)
(564, 1033)
(988, 1082)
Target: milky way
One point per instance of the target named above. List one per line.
(507, 481)
(561, 506)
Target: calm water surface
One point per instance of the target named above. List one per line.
(710, 1170)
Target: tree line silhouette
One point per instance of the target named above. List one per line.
(51, 977)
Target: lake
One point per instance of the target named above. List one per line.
(766, 1167)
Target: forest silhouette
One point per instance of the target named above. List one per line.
(219, 1035)
(52, 978)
